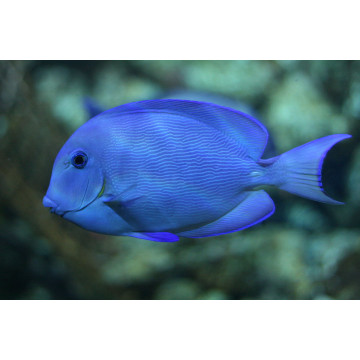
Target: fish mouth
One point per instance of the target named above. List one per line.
(54, 207)
(58, 212)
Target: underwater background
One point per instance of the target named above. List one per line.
(306, 250)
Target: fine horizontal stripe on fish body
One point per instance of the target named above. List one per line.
(160, 169)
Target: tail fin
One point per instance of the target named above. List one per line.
(301, 168)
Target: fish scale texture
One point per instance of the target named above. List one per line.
(188, 169)
(245, 130)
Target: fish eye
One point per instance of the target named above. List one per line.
(79, 160)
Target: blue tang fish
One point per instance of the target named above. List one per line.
(160, 169)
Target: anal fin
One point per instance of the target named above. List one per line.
(256, 207)
(154, 236)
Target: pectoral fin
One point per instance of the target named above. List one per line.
(119, 205)
(140, 211)
(124, 204)
(256, 207)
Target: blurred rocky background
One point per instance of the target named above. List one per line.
(306, 250)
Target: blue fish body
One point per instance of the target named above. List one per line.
(160, 169)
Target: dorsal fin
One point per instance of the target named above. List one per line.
(243, 128)
(92, 107)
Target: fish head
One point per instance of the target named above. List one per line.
(77, 179)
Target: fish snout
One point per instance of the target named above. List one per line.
(52, 205)
(49, 203)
